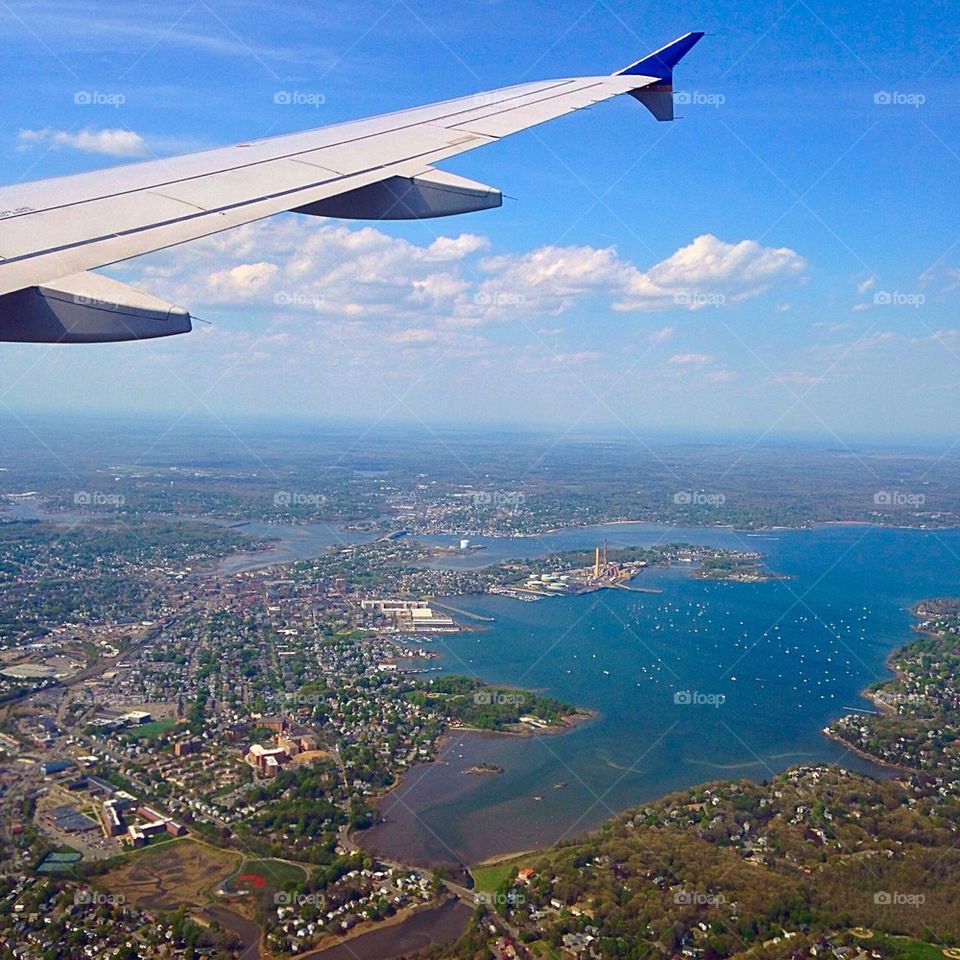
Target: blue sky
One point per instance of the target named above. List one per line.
(785, 258)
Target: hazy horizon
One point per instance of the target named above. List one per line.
(783, 259)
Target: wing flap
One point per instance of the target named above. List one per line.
(87, 308)
(433, 193)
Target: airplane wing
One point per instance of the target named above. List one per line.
(52, 232)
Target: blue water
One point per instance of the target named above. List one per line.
(770, 664)
(291, 543)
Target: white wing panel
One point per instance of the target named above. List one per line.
(503, 120)
(217, 190)
(72, 224)
(62, 261)
(65, 226)
(358, 156)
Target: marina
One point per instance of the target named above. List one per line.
(701, 681)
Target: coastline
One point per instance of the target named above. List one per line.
(578, 718)
(272, 554)
(445, 740)
(886, 764)
(401, 917)
(881, 705)
(568, 723)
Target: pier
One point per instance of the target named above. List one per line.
(462, 613)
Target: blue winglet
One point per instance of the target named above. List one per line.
(661, 62)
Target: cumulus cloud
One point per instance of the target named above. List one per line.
(443, 292)
(707, 272)
(112, 142)
(709, 269)
(241, 282)
(456, 248)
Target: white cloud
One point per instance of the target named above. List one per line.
(691, 359)
(708, 269)
(414, 336)
(105, 27)
(241, 282)
(324, 280)
(660, 336)
(799, 379)
(112, 142)
(945, 336)
(944, 278)
(707, 272)
(456, 248)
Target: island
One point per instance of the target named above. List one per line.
(484, 769)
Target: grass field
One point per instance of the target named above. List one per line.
(156, 728)
(541, 948)
(489, 878)
(903, 948)
(169, 876)
(277, 873)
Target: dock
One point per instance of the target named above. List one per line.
(462, 613)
